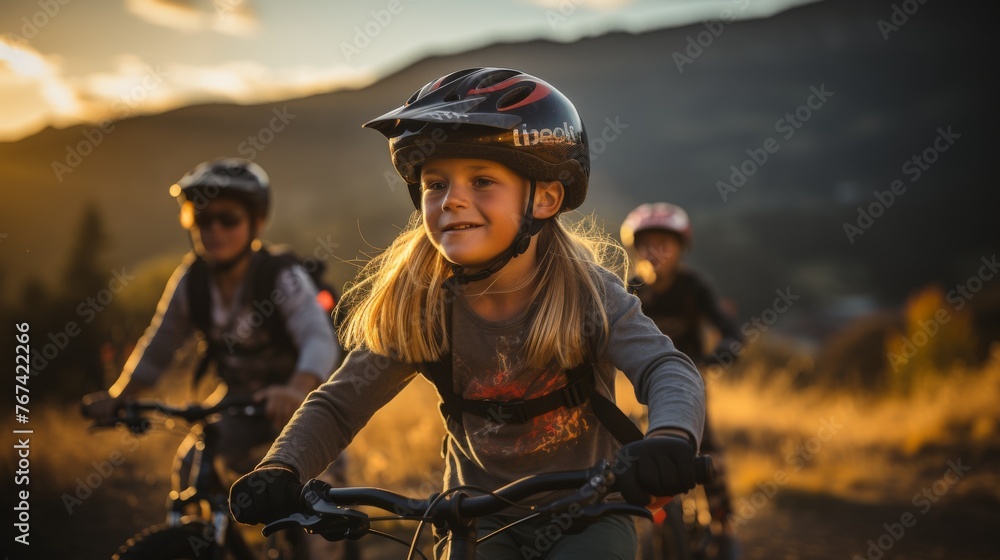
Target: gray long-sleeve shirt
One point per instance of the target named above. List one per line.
(487, 364)
(305, 322)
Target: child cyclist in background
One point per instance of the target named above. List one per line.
(493, 299)
(683, 306)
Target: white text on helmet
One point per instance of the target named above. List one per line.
(565, 134)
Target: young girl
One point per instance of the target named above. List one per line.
(488, 294)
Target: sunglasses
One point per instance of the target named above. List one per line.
(227, 220)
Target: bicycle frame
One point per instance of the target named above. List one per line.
(196, 479)
(204, 485)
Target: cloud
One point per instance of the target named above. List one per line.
(134, 87)
(229, 17)
(35, 91)
(251, 82)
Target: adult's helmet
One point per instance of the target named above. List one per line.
(498, 114)
(230, 177)
(661, 216)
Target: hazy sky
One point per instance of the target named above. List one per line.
(64, 61)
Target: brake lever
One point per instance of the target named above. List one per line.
(335, 523)
(291, 522)
(331, 521)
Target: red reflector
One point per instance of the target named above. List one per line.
(325, 300)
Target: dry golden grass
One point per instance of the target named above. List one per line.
(400, 448)
(852, 445)
(838, 442)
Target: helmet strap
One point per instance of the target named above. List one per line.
(529, 227)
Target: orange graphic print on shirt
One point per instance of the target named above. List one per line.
(544, 434)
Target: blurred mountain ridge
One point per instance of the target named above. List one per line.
(669, 134)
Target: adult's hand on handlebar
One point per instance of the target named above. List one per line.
(265, 495)
(280, 402)
(656, 466)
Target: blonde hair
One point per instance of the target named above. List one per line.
(397, 302)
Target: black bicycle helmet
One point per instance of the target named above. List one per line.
(228, 176)
(491, 113)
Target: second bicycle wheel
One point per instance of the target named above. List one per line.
(190, 541)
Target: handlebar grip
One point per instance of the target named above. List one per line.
(704, 470)
(704, 473)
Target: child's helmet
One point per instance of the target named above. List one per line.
(491, 113)
(230, 177)
(661, 216)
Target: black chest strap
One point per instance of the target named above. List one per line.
(579, 389)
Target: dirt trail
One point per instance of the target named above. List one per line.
(793, 525)
(959, 518)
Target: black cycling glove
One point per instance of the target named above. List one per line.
(265, 495)
(657, 466)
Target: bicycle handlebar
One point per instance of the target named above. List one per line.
(324, 512)
(130, 413)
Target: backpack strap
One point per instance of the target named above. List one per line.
(578, 389)
(199, 299)
(200, 310)
(263, 283)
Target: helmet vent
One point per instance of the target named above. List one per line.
(412, 97)
(495, 78)
(452, 96)
(514, 96)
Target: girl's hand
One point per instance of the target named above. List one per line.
(661, 465)
(265, 495)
